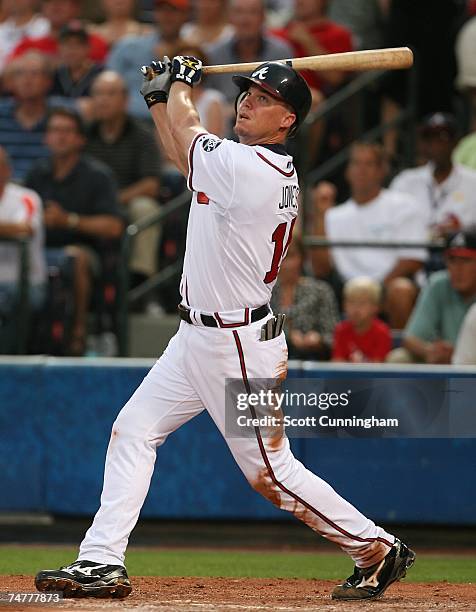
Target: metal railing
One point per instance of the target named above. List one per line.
(22, 311)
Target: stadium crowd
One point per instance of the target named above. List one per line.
(79, 161)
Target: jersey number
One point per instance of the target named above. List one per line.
(279, 249)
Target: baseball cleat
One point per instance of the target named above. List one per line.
(86, 579)
(371, 582)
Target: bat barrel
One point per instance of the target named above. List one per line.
(397, 58)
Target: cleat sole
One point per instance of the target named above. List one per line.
(73, 589)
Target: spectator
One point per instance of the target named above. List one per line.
(130, 151)
(465, 349)
(22, 21)
(20, 215)
(310, 306)
(310, 32)
(210, 25)
(250, 43)
(371, 213)
(445, 191)
(132, 52)
(23, 117)
(433, 328)
(59, 13)
(364, 18)
(81, 208)
(75, 74)
(361, 337)
(119, 22)
(210, 103)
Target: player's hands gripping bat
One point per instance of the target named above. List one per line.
(186, 69)
(157, 81)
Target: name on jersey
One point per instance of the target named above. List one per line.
(289, 197)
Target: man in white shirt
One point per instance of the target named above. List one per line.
(446, 192)
(20, 215)
(371, 214)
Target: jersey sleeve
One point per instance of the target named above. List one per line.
(211, 169)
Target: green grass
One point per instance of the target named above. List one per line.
(428, 568)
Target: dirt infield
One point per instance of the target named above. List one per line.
(283, 595)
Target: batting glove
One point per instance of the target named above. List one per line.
(186, 69)
(157, 80)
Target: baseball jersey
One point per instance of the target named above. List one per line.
(18, 205)
(243, 210)
(453, 198)
(390, 217)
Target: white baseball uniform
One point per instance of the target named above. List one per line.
(245, 202)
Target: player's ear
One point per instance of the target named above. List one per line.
(288, 120)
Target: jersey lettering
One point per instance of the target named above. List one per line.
(289, 197)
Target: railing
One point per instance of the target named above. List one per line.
(318, 242)
(23, 310)
(309, 176)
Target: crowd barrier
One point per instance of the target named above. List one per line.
(55, 421)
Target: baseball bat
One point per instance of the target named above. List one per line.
(354, 61)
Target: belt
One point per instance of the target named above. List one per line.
(215, 321)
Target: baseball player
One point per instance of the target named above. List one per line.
(243, 210)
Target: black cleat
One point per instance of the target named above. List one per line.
(86, 579)
(371, 582)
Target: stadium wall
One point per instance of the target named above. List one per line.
(55, 421)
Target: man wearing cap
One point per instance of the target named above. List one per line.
(243, 210)
(133, 51)
(433, 328)
(446, 191)
(76, 73)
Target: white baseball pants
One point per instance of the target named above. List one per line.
(189, 377)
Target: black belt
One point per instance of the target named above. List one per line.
(211, 321)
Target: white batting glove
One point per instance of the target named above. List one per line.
(186, 69)
(157, 81)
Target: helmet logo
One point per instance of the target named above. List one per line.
(261, 73)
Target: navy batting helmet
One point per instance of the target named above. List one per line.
(283, 82)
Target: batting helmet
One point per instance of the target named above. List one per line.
(283, 82)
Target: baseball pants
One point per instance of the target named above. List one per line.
(188, 378)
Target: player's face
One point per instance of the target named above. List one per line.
(262, 118)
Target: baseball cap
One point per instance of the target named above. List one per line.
(438, 123)
(183, 5)
(74, 28)
(462, 244)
